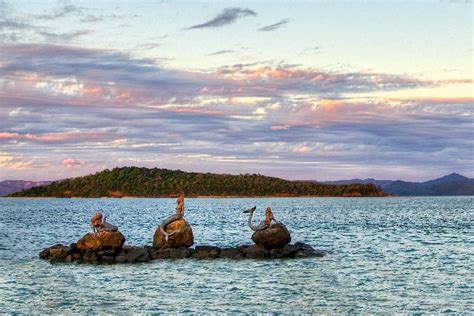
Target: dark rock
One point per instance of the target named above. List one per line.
(183, 236)
(77, 256)
(231, 253)
(121, 258)
(106, 256)
(90, 256)
(132, 254)
(57, 252)
(278, 253)
(206, 252)
(44, 254)
(257, 252)
(276, 236)
(172, 253)
(306, 251)
(74, 248)
(101, 241)
(154, 254)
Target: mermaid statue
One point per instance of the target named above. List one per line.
(266, 223)
(179, 215)
(267, 234)
(99, 224)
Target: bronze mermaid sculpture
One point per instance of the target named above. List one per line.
(99, 224)
(266, 223)
(179, 215)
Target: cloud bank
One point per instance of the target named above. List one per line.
(98, 108)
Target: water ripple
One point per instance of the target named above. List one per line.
(384, 256)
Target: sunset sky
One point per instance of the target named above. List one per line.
(319, 90)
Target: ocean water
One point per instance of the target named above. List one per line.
(384, 255)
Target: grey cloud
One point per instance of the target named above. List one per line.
(61, 12)
(275, 26)
(221, 52)
(147, 46)
(15, 25)
(64, 37)
(90, 18)
(226, 17)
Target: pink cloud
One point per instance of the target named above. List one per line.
(72, 163)
(7, 135)
(61, 137)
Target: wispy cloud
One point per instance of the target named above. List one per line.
(273, 27)
(147, 46)
(64, 37)
(226, 17)
(221, 52)
(61, 12)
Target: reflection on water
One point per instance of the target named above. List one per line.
(384, 255)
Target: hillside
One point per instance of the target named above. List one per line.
(12, 186)
(452, 184)
(144, 182)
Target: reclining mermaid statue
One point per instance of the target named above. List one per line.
(179, 215)
(99, 224)
(266, 223)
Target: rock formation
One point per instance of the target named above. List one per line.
(135, 254)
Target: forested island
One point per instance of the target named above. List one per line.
(155, 182)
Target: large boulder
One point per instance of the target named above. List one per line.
(182, 237)
(275, 236)
(101, 241)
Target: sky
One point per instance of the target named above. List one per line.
(317, 90)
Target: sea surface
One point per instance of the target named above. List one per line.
(384, 255)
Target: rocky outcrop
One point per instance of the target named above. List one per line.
(104, 240)
(275, 236)
(134, 254)
(182, 235)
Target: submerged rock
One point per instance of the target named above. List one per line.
(182, 235)
(275, 236)
(101, 241)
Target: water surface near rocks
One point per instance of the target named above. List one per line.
(383, 255)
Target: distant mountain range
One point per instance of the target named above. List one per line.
(12, 186)
(453, 184)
